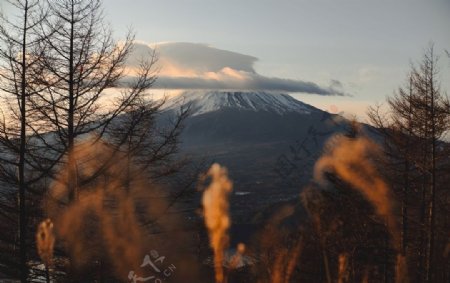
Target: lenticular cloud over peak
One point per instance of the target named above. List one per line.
(186, 65)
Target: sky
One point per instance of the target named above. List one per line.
(339, 55)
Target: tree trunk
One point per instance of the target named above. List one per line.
(21, 165)
(431, 206)
(70, 127)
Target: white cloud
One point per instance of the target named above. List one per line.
(199, 66)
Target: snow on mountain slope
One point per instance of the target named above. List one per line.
(201, 102)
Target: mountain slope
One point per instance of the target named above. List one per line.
(201, 102)
(269, 142)
(243, 117)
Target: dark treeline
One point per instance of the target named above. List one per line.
(105, 171)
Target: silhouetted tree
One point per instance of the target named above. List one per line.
(413, 127)
(79, 62)
(18, 40)
(57, 66)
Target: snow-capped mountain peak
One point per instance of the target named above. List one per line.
(201, 102)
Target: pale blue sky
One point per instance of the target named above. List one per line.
(366, 45)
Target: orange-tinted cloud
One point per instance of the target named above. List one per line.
(199, 66)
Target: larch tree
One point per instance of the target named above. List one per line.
(18, 40)
(413, 128)
(80, 62)
(85, 89)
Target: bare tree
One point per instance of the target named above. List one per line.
(416, 121)
(57, 64)
(79, 62)
(18, 41)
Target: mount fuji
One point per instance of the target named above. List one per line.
(268, 141)
(202, 102)
(240, 118)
